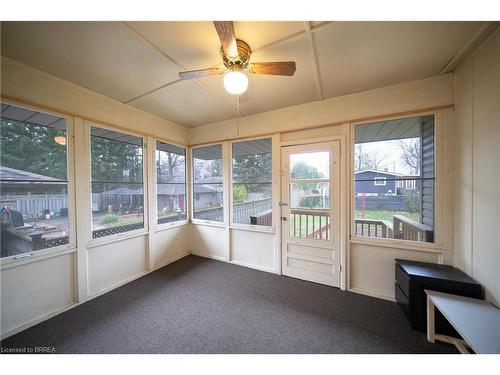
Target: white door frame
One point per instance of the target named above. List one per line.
(337, 214)
(344, 199)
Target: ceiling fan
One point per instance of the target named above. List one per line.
(235, 60)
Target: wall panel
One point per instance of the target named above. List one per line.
(209, 241)
(114, 263)
(408, 96)
(253, 249)
(477, 171)
(168, 245)
(372, 267)
(33, 290)
(26, 83)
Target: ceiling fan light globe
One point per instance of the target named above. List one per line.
(235, 83)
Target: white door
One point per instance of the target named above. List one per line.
(310, 212)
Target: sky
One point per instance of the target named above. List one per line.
(389, 150)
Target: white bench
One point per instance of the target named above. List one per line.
(477, 321)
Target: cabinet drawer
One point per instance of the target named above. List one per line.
(403, 280)
(402, 301)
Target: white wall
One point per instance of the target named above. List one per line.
(415, 95)
(95, 267)
(369, 265)
(23, 82)
(46, 284)
(34, 290)
(477, 166)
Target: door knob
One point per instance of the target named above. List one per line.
(283, 218)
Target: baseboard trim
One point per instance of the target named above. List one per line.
(172, 260)
(117, 285)
(209, 256)
(258, 268)
(40, 319)
(235, 262)
(371, 293)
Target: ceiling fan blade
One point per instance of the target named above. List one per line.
(225, 29)
(281, 68)
(192, 74)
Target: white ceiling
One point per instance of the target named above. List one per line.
(137, 62)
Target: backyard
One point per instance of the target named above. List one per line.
(302, 225)
(386, 215)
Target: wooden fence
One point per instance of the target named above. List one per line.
(33, 206)
(241, 211)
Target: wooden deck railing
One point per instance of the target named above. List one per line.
(407, 229)
(401, 228)
(374, 228)
(262, 218)
(310, 224)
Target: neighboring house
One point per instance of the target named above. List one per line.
(16, 181)
(32, 193)
(372, 182)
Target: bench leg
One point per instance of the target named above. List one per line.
(431, 334)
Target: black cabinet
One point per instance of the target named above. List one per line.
(411, 280)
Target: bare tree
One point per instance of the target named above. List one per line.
(375, 161)
(368, 160)
(410, 153)
(360, 157)
(167, 168)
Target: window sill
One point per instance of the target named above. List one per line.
(252, 228)
(35, 256)
(162, 227)
(97, 242)
(398, 244)
(208, 223)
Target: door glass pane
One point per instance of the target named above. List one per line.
(315, 225)
(310, 165)
(310, 195)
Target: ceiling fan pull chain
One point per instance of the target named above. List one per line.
(237, 115)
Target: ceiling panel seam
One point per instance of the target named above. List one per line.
(152, 91)
(291, 36)
(317, 78)
(472, 44)
(312, 29)
(152, 45)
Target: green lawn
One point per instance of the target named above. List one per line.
(306, 224)
(386, 215)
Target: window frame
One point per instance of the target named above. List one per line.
(257, 228)
(154, 179)
(225, 207)
(71, 246)
(93, 242)
(383, 181)
(433, 247)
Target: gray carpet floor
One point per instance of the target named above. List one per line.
(197, 305)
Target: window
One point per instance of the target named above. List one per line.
(394, 179)
(117, 182)
(310, 180)
(252, 182)
(170, 183)
(410, 184)
(207, 183)
(33, 181)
